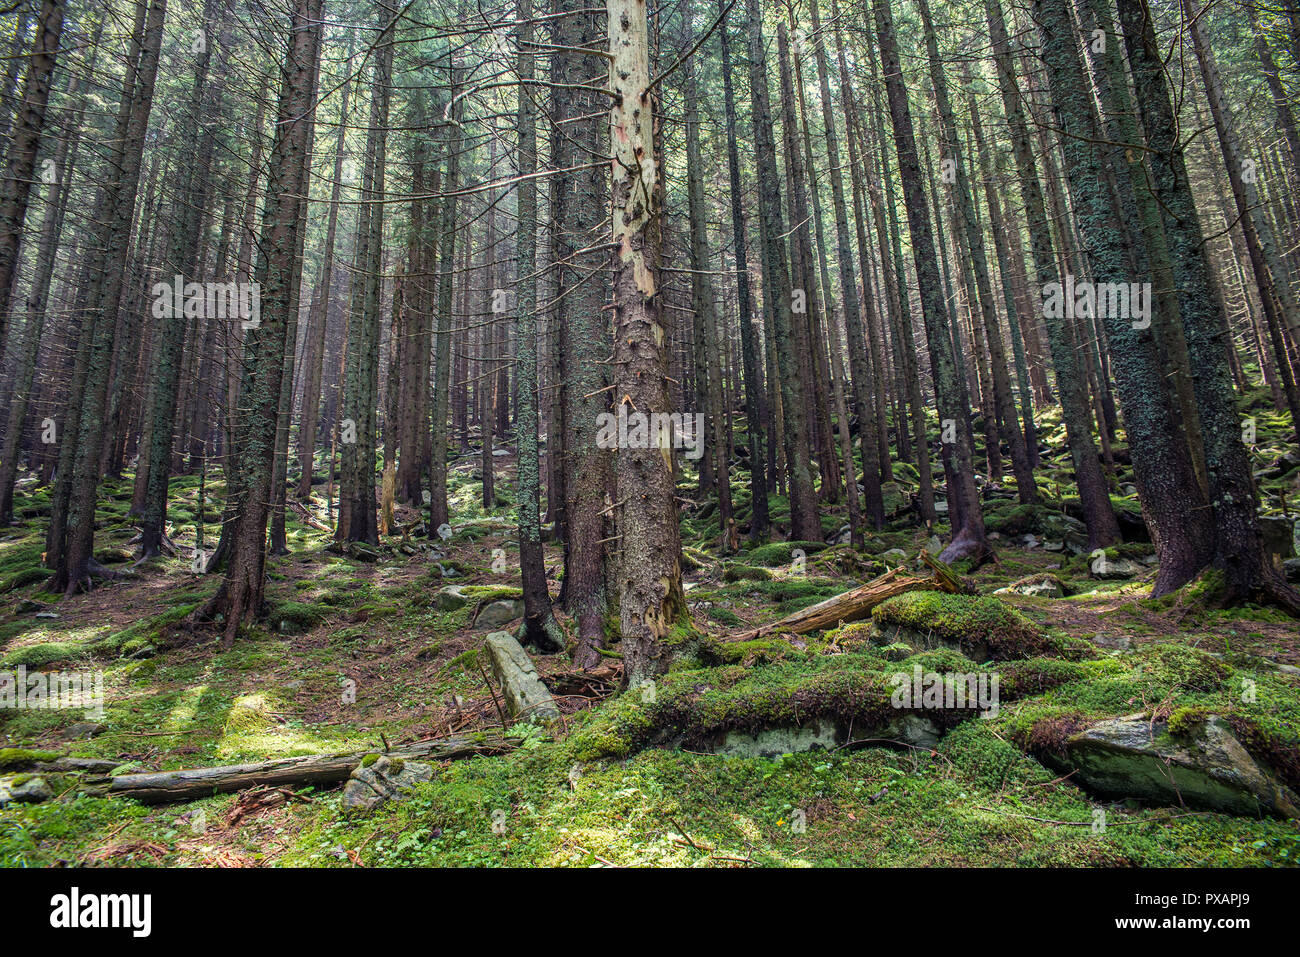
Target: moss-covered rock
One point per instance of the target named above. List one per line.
(699, 709)
(17, 759)
(982, 627)
(737, 573)
(781, 553)
(1136, 757)
(45, 653)
(289, 616)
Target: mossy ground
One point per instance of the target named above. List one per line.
(353, 654)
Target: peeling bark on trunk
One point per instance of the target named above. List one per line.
(651, 603)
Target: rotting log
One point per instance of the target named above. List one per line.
(857, 603)
(163, 787)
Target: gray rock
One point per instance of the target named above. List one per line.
(27, 606)
(894, 556)
(1132, 757)
(1115, 643)
(452, 597)
(32, 790)
(363, 551)
(934, 546)
(774, 742)
(1038, 586)
(526, 696)
(384, 780)
(821, 735)
(499, 612)
(1279, 535)
(1109, 570)
(1291, 568)
(81, 730)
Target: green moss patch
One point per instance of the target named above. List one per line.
(782, 553)
(12, 759)
(983, 626)
(694, 709)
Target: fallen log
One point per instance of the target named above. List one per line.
(306, 516)
(856, 604)
(163, 787)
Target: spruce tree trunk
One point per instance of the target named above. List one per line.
(192, 175)
(21, 158)
(318, 317)
(38, 298)
(579, 213)
(901, 304)
(540, 627)
(755, 404)
(968, 536)
(358, 518)
(73, 558)
(1238, 550)
(438, 513)
(1171, 499)
(860, 367)
(979, 267)
(241, 595)
(706, 310)
(1071, 387)
(805, 321)
(804, 524)
(652, 607)
(1271, 275)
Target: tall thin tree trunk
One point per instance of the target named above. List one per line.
(652, 606)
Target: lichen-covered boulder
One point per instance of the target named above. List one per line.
(1035, 586)
(383, 779)
(1135, 757)
(452, 597)
(500, 612)
(24, 789)
(526, 697)
(1113, 569)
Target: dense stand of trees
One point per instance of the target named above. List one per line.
(320, 249)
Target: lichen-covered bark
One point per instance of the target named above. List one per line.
(1238, 550)
(1171, 499)
(1094, 495)
(706, 309)
(23, 147)
(539, 622)
(579, 213)
(74, 558)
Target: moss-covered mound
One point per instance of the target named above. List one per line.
(781, 553)
(982, 627)
(696, 709)
(1167, 682)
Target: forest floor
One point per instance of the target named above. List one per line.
(593, 789)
